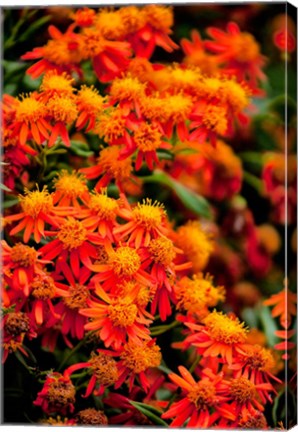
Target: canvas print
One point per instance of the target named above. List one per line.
(149, 189)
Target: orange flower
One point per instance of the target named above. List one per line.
(38, 209)
(158, 20)
(220, 335)
(21, 264)
(284, 304)
(117, 319)
(119, 264)
(243, 398)
(100, 214)
(30, 120)
(109, 58)
(198, 400)
(62, 53)
(196, 54)
(160, 256)
(90, 104)
(256, 363)
(146, 221)
(63, 111)
(239, 52)
(74, 241)
(84, 17)
(70, 188)
(103, 369)
(109, 167)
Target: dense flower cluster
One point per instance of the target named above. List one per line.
(92, 262)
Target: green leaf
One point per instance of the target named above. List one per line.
(5, 188)
(147, 411)
(9, 202)
(80, 148)
(269, 325)
(186, 151)
(190, 199)
(164, 154)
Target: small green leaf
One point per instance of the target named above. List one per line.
(10, 202)
(185, 151)
(190, 199)
(5, 188)
(146, 410)
(269, 325)
(80, 148)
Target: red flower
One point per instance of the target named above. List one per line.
(57, 395)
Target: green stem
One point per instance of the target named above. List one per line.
(194, 365)
(158, 330)
(73, 351)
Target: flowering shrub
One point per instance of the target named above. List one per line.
(142, 281)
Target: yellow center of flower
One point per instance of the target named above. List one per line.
(242, 390)
(177, 107)
(29, 109)
(199, 293)
(209, 87)
(235, 94)
(144, 296)
(202, 394)
(111, 124)
(215, 119)
(76, 297)
(260, 358)
(177, 78)
(125, 261)
(63, 109)
(22, 255)
(159, 17)
(195, 243)
(43, 287)
(72, 234)
(52, 82)
(110, 24)
(246, 48)
(162, 251)
(225, 329)
(149, 215)
(35, 202)
(122, 313)
(89, 100)
(71, 185)
(93, 43)
(104, 368)
(138, 358)
(147, 137)
(133, 18)
(109, 163)
(128, 87)
(104, 206)
(58, 51)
